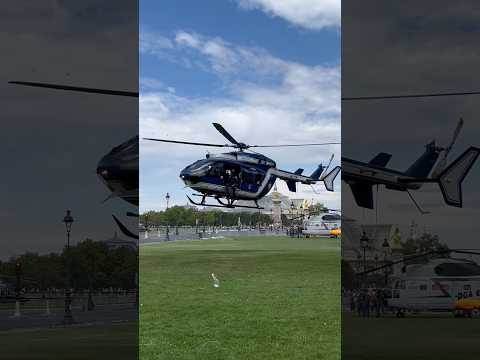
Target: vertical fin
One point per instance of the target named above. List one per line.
(450, 179)
(330, 177)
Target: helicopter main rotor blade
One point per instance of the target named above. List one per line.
(76, 88)
(286, 145)
(225, 133)
(187, 142)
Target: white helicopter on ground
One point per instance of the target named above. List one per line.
(323, 224)
(442, 284)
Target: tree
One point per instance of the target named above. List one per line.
(317, 208)
(426, 243)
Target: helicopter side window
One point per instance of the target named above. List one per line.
(258, 179)
(215, 170)
(248, 177)
(331, 217)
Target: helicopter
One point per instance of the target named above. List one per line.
(241, 175)
(118, 169)
(441, 283)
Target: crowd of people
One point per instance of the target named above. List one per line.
(367, 302)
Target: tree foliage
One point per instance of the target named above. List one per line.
(186, 216)
(93, 265)
(426, 243)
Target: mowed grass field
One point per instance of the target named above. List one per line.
(420, 337)
(279, 298)
(113, 341)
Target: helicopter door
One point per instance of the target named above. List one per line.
(231, 178)
(249, 181)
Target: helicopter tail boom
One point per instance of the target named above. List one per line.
(292, 178)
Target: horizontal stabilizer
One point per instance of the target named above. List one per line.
(298, 171)
(292, 185)
(451, 178)
(363, 194)
(330, 177)
(381, 160)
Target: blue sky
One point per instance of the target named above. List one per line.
(268, 71)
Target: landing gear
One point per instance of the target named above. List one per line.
(470, 313)
(225, 202)
(400, 314)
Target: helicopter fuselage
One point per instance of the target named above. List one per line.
(238, 175)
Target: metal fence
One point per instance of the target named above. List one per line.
(174, 233)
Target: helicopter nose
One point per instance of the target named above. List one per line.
(107, 168)
(187, 177)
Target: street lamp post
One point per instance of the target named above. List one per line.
(364, 244)
(18, 287)
(146, 226)
(292, 214)
(386, 251)
(167, 197)
(68, 317)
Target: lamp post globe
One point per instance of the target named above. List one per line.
(167, 197)
(68, 220)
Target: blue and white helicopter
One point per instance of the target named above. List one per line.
(242, 175)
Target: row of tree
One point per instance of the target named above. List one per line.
(93, 265)
(187, 216)
(190, 216)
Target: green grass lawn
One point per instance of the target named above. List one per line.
(416, 338)
(117, 341)
(279, 298)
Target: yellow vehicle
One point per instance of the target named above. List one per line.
(336, 233)
(467, 307)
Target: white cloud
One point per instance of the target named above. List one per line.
(224, 58)
(296, 104)
(310, 14)
(155, 44)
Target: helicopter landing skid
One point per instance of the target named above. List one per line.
(230, 202)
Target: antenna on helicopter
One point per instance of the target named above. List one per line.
(325, 171)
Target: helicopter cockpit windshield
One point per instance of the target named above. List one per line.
(457, 269)
(198, 168)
